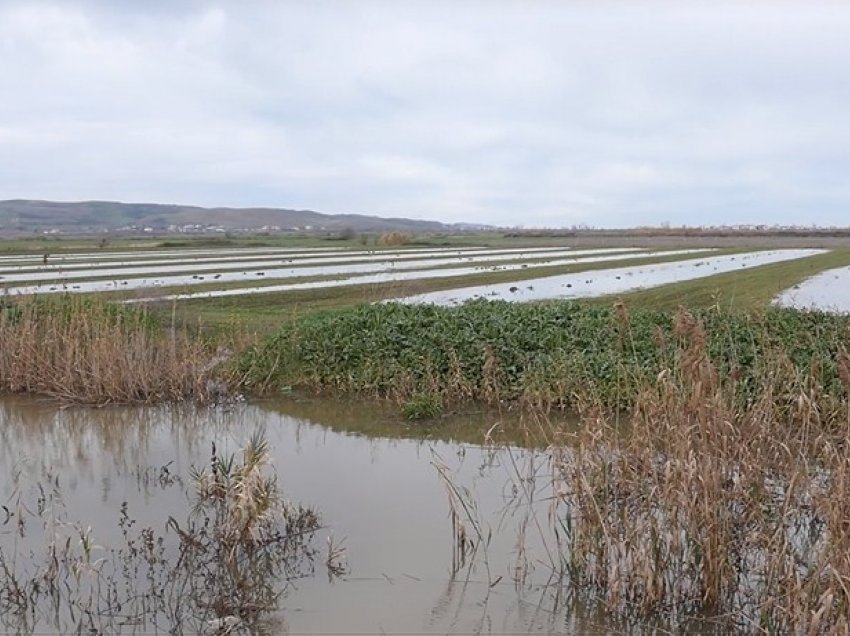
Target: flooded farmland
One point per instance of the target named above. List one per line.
(827, 291)
(612, 281)
(335, 515)
(177, 275)
(255, 259)
(224, 271)
(132, 277)
(89, 479)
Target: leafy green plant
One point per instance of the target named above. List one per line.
(555, 354)
(423, 406)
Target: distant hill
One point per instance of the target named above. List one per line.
(25, 216)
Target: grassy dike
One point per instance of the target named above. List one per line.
(546, 355)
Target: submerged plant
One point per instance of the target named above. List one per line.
(223, 568)
(423, 406)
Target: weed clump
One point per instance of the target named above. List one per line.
(221, 569)
(423, 406)
(706, 506)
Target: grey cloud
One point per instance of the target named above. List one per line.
(548, 113)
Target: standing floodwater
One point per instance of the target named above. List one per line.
(384, 502)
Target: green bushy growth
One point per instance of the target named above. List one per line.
(423, 406)
(547, 353)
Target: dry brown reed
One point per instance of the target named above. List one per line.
(469, 535)
(701, 506)
(93, 352)
(395, 238)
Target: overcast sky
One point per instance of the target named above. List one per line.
(512, 113)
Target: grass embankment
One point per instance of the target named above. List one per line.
(89, 351)
(559, 354)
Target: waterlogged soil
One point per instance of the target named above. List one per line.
(177, 260)
(377, 488)
(180, 273)
(83, 258)
(396, 275)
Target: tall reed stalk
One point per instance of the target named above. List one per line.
(93, 352)
(702, 505)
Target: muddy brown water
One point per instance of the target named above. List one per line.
(373, 480)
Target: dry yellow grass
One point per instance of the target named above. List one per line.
(91, 352)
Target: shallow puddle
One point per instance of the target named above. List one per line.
(381, 498)
(827, 291)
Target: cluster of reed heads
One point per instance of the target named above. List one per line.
(707, 500)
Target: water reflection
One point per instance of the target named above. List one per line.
(383, 266)
(383, 420)
(141, 254)
(178, 263)
(398, 276)
(383, 499)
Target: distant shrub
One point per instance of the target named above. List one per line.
(395, 238)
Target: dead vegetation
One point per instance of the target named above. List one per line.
(693, 509)
(88, 351)
(698, 506)
(395, 239)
